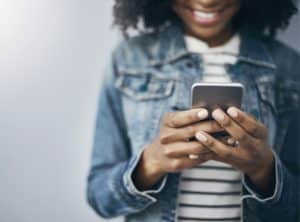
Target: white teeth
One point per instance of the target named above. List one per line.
(205, 15)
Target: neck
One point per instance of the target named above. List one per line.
(217, 40)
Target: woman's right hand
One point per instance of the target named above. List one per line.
(173, 150)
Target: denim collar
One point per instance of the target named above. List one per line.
(172, 47)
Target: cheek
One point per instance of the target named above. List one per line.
(178, 8)
(236, 6)
(231, 12)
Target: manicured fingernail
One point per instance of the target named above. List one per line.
(193, 156)
(201, 137)
(230, 141)
(202, 114)
(232, 112)
(218, 115)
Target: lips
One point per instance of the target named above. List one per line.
(207, 18)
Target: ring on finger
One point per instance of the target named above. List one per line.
(236, 143)
(232, 142)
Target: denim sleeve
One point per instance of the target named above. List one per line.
(283, 203)
(110, 189)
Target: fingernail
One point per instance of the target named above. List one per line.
(218, 115)
(230, 141)
(202, 114)
(193, 156)
(232, 112)
(201, 137)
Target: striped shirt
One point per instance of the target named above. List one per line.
(211, 191)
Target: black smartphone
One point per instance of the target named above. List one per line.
(217, 95)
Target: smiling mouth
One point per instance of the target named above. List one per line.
(205, 15)
(207, 18)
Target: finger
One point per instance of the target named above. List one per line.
(183, 118)
(182, 163)
(184, 149)
(230, 141)
(227, 140)
(185, 133)
(223, 151)
(248, 122)
(194, 156)
(234, 129)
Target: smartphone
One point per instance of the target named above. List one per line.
(216, 95)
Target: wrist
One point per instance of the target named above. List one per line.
(150, 165)
(147, 172)
(264, 177)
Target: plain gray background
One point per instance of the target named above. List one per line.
(52, 53)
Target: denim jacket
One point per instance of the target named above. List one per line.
(151, 74)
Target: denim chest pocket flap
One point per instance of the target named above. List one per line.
(144, 84)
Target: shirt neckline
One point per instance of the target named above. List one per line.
(232, 46)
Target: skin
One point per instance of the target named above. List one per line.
(170, 151)
(215, 34)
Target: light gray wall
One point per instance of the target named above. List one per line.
(292, 35)
(51, 56)
(52, 53)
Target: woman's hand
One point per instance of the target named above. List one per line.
(252, 156)
(173, 150)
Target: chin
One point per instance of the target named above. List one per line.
(207, 33)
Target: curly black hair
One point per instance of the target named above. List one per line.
(260, 16)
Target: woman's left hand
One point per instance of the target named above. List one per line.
(252, 155)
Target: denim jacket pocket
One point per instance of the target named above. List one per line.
(288, 97)
(283, 97)
(146, 95)
(141, 85)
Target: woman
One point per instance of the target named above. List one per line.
(145, 165)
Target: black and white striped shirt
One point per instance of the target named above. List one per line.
(211, 191)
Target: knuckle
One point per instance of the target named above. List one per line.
(254, 129)
(189, 130)
(241, 137)
(172, 123)
(227, 122)
(168, 152)
(214, 126)
(165, 138)
(210, 142)
(176, 165)
(169, 119)
(240, 118)
(198, 149)
(191, 117)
